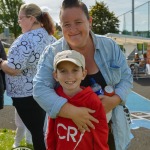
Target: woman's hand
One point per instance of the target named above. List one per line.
(109, 102)
(81, 116)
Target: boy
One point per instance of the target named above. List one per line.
(69, 71)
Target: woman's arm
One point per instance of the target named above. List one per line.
(120, 77)
(13, 72)
(125, 84)
(109, 102)
(44, 94)
(81, 116)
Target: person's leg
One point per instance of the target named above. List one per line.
(1, 92)
(148, 68)
(28, 136)
(111, 142)
(136, 69)
(20, 131)
(45, 127)
(1, 101)
(33, 117)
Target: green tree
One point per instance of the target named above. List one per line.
(126, 32)
(103, 21)
(9, 15)
(57, 34)
(58, 31)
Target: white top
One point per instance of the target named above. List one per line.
(24, 55)
(108, 116)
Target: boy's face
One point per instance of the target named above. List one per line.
(69, 76)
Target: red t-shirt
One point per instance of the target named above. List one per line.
(63, 133)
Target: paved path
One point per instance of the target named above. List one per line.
(7, 118)
(141, 140)
(141, 118)
(142, 87)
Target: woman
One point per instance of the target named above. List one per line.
(104, 61)
(37, 28)
(2, 76)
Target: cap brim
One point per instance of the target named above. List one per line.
(69, 60)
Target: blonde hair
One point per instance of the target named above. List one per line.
(42, 17)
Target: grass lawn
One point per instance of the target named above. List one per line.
(6, 50)
(7, 140)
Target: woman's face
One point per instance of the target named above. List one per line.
(75, 26)
(25, 22)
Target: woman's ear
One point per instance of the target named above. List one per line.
(33, 19)
(55, 75)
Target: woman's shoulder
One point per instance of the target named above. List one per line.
(18, 40)
(60, 45)
(58, 42)
(40, 32)
(52, 39)
(37, 35)
(103, 42)
(104, 38)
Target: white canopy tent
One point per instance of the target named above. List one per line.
(129, 42)
(121, 39)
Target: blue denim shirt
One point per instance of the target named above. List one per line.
(114, 68)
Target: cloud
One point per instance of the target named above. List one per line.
(117, 6)
(46, 9)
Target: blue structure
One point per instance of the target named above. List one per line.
(138, 105)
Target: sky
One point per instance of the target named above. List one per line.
(119, 7)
